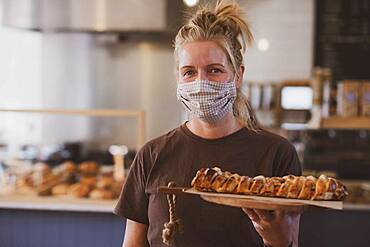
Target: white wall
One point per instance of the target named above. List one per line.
(134, 76)
(288, 25)
(20, 84)
(66, 83)
(83, 71)
(159, 89)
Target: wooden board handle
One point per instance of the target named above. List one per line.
(171, 190)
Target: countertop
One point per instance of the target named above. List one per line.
(56, 203)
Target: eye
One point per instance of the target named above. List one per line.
(188, 73)
(215, 70)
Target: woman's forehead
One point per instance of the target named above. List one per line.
(201, 53)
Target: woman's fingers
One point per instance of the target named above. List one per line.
(258, 215)
(280, 213)
(265, 215)
(251, 214)
(275, 227)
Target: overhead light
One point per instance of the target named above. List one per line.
(190, 3)
(263, 44)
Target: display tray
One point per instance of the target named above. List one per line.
(257, 202)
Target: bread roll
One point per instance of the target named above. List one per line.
(89, 181)
(88, 168)
(79, 190)
(60, 189)
(105, 182)
(101, 194)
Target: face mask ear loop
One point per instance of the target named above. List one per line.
(235, 80)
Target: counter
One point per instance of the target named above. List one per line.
(29, 221)
(56, 203)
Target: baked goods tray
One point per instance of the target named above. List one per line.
(256, 202)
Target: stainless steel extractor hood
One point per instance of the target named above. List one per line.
(102, 16)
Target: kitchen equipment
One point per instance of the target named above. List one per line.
(294, 102)
(158, 17)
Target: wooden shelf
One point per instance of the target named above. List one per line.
(346, 122)
(80, 112)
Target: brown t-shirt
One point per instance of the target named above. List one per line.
(176, 156)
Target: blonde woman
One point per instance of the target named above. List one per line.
(223, 130)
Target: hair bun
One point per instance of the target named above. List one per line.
(233, 16)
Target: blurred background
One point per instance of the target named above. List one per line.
(85, 83)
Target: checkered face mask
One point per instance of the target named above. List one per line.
(207, 100)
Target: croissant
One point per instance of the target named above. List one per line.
(290, 186)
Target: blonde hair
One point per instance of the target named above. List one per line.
(224, 25)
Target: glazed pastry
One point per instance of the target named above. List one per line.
(308, 188)
(89, 181)
(101, 194)
(271, 186)
(66, 167)
(79, 190)
(290, 186)
(244, 185)
(219, 181)
(231, 184)
(88, 168)
(105, 182)
(296, 187)
(60, 189)
(258, 183)
(284, 187)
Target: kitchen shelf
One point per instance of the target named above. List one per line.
(338, 122)
(138, 114)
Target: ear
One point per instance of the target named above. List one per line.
(239, 78)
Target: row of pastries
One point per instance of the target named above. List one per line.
(84, 180)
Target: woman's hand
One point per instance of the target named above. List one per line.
(277, 228)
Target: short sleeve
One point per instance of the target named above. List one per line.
(286, 160)
(133, 201)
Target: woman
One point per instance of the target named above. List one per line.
(224, 132)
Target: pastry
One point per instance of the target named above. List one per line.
(290, 186)
(79, 190)
(89, 181)
(101, 194)
(60, 189)
(88, 168)
(66, 167)
(105, 182)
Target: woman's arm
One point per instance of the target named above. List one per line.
(135, 235)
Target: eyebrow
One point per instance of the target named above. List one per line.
(187, 67)
(212, 64)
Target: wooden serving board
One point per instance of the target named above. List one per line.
(266, 203)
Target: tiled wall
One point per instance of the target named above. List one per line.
(288, 25)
